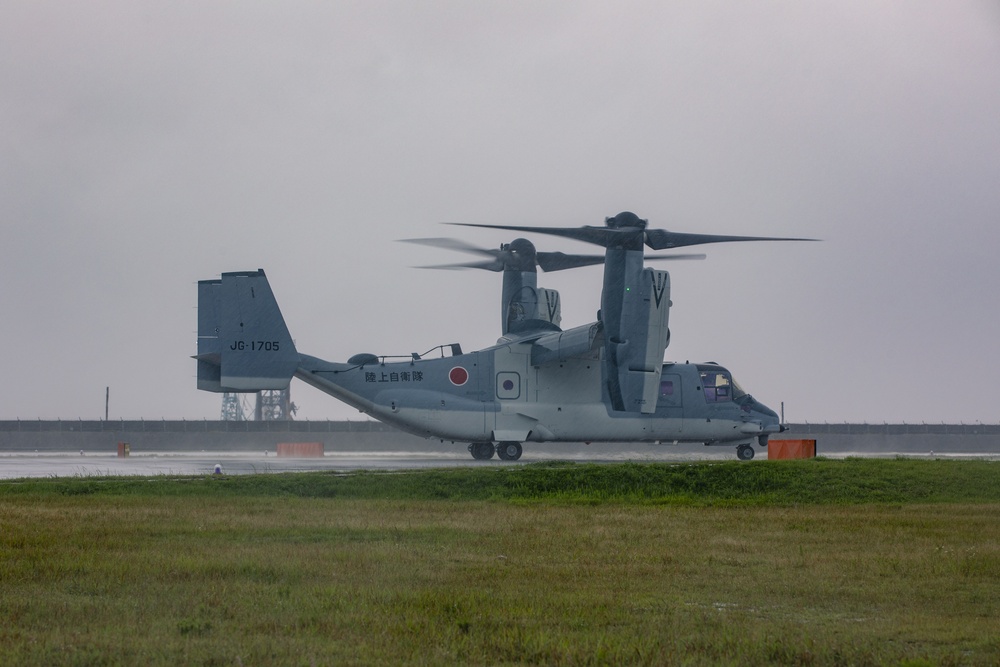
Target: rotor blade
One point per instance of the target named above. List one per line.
(661, 239)
(601, 236)
(488, 265)
(557, 261)
(669, 257)
(452, 244)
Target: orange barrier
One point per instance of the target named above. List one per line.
(791, 449)
(124, 450)
(301, 449)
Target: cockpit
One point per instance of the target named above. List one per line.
(715, 384)
(719, 387)
(708, 393)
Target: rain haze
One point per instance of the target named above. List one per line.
(146, 146)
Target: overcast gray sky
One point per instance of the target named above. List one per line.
(147, 145)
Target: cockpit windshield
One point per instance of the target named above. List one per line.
(738, 392)
(718, 385)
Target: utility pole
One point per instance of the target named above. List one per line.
(107, 398)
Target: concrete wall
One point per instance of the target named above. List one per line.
(199, 435)
(152, 436)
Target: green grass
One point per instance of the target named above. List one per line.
(816, 481)
(808, 563)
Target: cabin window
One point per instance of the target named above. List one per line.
(670, 391)
(718, 386)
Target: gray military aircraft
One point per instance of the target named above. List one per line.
(604, 381)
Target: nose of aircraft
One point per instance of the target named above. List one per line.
(760, 413)
(764, 410)
(768, 417)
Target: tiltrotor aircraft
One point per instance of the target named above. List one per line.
(604, 381)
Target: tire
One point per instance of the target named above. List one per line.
(482, 451)
(744, 452)
(509, 451)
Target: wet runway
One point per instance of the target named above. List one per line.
(24, 465)
(66, 464)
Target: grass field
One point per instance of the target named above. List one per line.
(802, 562)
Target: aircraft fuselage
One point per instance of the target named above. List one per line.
(498, 395)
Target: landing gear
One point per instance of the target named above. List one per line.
(509, 451)
(481, 451)
(744, 452)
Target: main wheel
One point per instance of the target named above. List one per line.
(744, 452)
(509, 451)
(481, 451)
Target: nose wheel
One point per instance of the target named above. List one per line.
(744, 452)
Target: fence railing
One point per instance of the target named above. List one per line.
(897, 429)
(192, 426)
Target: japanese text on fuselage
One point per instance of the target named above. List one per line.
(403, 376)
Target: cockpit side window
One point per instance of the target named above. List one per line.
(718, 386)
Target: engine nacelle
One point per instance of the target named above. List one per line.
(638, 355)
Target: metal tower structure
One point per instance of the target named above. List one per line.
(232, 408)
(274, 405)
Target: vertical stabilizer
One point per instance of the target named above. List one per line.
(243, 343)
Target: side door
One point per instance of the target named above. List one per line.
(670, 406)
(513, 386)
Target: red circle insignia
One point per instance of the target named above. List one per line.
(458, 376)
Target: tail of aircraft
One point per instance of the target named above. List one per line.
(243, 343)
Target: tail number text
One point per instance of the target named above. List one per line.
(255, 346)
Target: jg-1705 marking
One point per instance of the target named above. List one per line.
(256, 346)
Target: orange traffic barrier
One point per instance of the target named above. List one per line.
(301, 449)
(791, 449)
(124, 449)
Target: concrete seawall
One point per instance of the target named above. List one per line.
(179, 436)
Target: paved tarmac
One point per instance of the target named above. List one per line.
(77, 464)
(34, 465)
